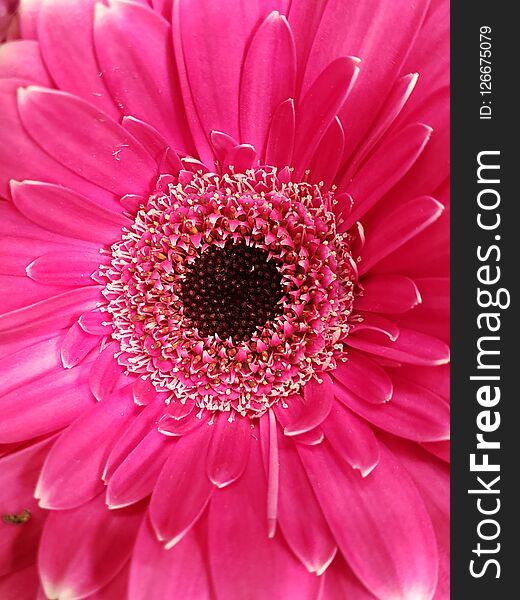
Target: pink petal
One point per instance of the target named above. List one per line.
(240, 158)
(139, 68)
(376, 324)
(439, 449)
(386, 166)
(280, 141)
(82, 549)
(105, 372)
(18, 543)
(72, 472)
(136, 476)
(93, 322)
(327, 158)
(116, 588)
(28, 18)
(144, 391)
(392, 229)
(76, 346)
(304, 529)
(317, 402)
(410, 347)
(210, 42)
(268, 78)
(158, 573)
(182, 484)
(68, 213)
(413, 412)
(338, 582)
(17, 252)
(364, 377)
(58, 311)
(342, 30)
(19, 292)
(393, 105)
(253, 561)
(320, 106)
(388, 294)
(14, 343)
(171, 426)
(154, 143)
(352, 438)
(311, 438)
(48, 404)
(130, 437)
(384, 506)
(30, 363)
(222, 143)
(86, 140)
(20, 584)
(228, 451)
(63, 52)
(71, 269)
(21, 59)
(21, 157)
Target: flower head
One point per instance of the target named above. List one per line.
(224, 316)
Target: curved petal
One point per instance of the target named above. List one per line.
(21, 59)
(143, 423)
(159, 573)
(254, 561)
(66, 212)
(327, 158)
(210, 41)
(136, 476)
(17, 252)
(21, 158)
(339, 583)
(20, 584)
(393, 228)
(58, 311)
(95, 322)
(280, 141)
(353, 439)
(228, 450)
(139, 69)
(182, 483)
(63, 52)
(410, 347)
(75, 268)
(18, 543)
(388, 294)
(83, 548)
(268, 78)
(413, 412)
(299, 514)
(317, 402)
(72, 472)
(105, 372)
(48, 404)
(76, 346)
(319, 107)
(385, 506)
(86, 140)
(28, 364)
(364, 377)
(385, 168)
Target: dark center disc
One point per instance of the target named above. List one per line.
(231, 291)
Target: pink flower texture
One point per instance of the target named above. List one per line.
(224, 312)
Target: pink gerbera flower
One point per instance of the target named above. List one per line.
(224, 308)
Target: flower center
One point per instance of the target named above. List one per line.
(231, 291)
